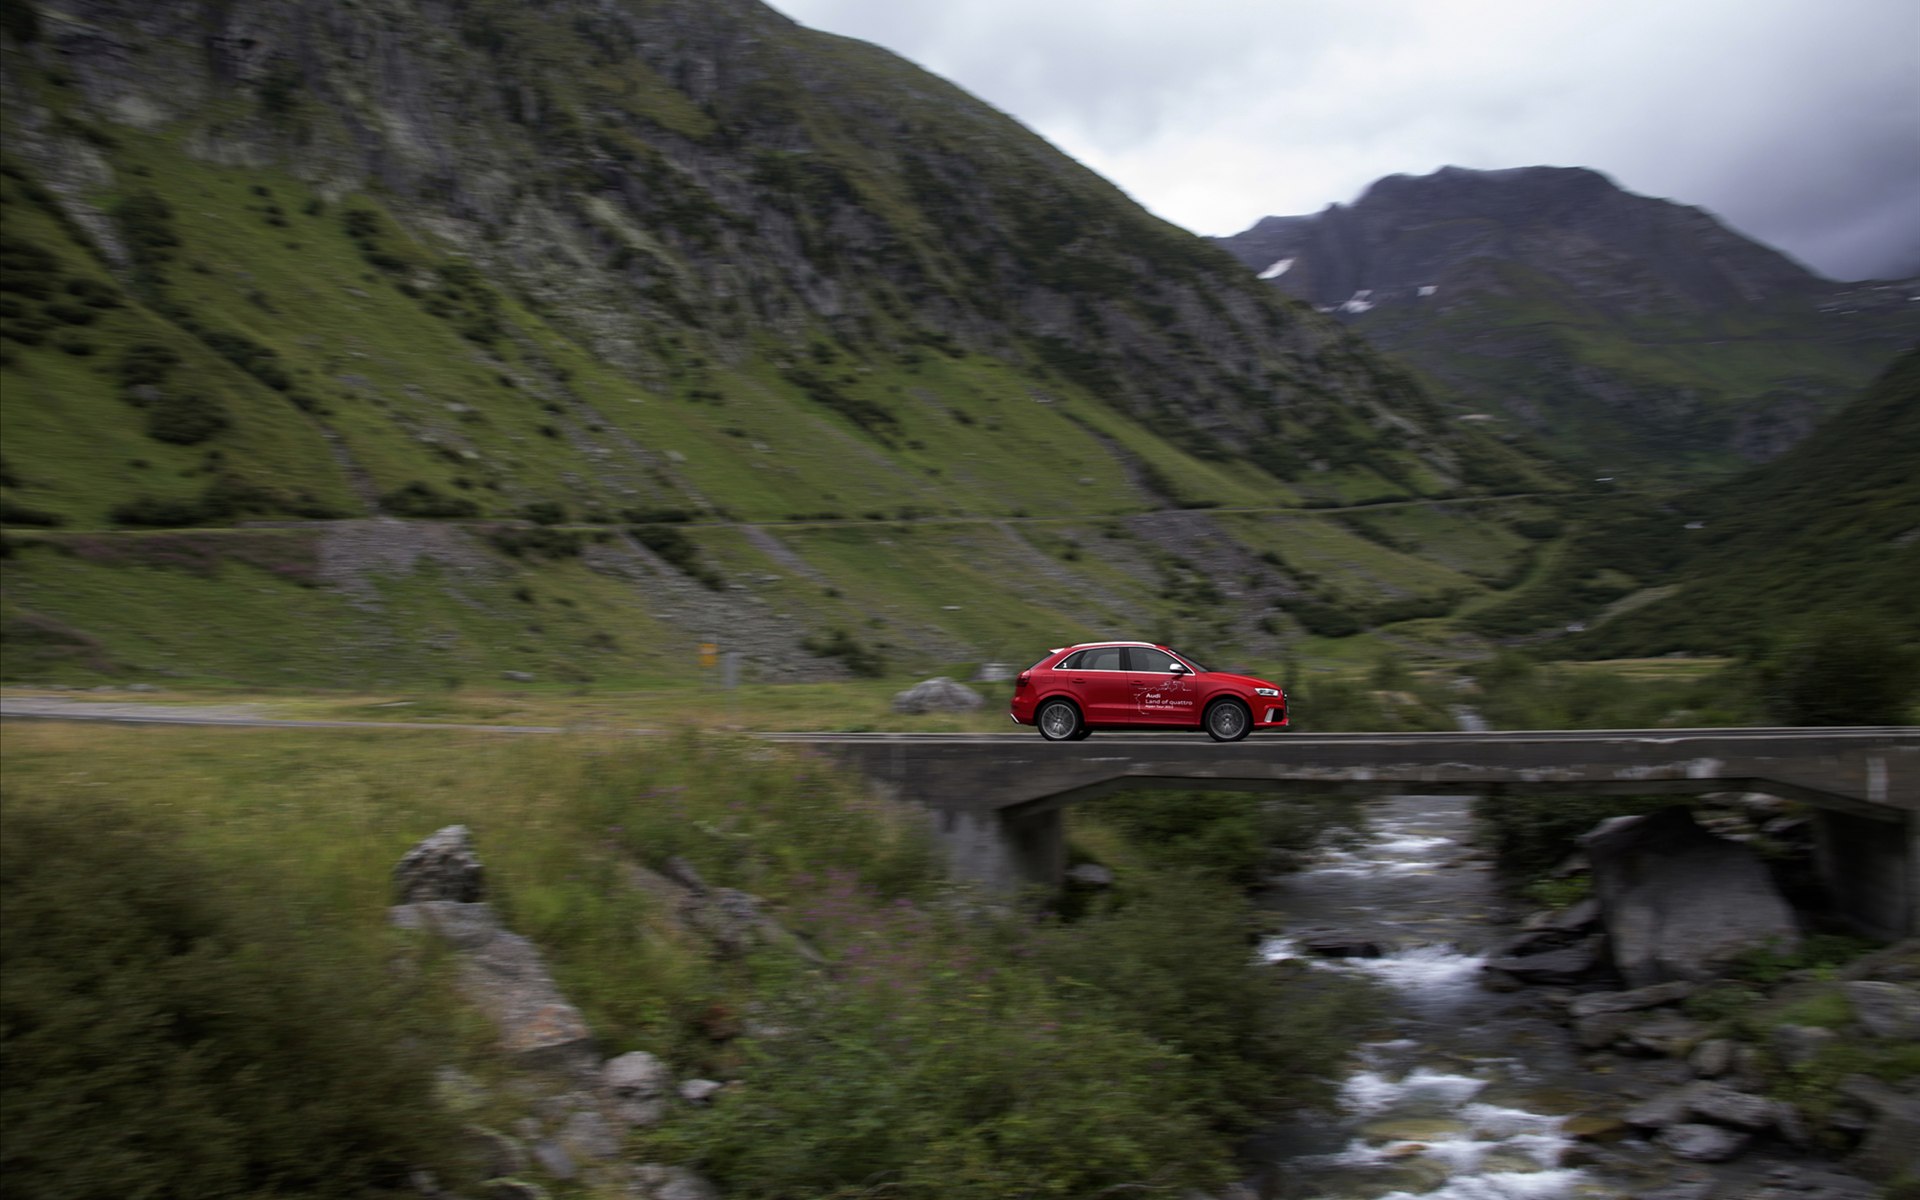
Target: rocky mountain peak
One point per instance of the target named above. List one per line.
(1592, 315)
(1407, 233)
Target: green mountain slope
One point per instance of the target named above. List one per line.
(554, 272)
(1833, 526)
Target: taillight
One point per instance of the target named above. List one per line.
(1021, 680)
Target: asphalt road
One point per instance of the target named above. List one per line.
(45, 708)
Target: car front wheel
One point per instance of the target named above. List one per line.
(1228, 721)
(1058, 720)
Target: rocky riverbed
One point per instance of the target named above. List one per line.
(1516, 1064)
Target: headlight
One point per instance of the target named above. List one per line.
(1266, 691)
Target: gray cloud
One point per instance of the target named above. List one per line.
(1797, 123)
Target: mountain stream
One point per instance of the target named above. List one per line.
(1463, 1092)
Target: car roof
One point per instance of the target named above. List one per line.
(1088, 645)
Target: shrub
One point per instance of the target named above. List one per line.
(680, 552)
(544, 512)
(155, 513)
(869, 415)
(146, 225)
(185, 418)
(1221, 835)
(954, 1095)
(417, 499)
(179, 1027)
(146, 363)
(1168, 958)
(250, 356)
(933, 1063)
(535, 543)
(225, 497)
(1324, 620)
(664, 515)
(1847, 670)
(13, 512)
(981, 1058)
(1530, 835)
(862, 660)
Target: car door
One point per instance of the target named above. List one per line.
(1157, 694)
(1100, 683)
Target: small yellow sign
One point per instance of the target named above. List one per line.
(709, 654)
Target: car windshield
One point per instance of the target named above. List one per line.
(1190, 661)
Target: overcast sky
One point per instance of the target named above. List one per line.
(1795, 121)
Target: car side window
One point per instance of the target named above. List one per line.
(1103, 658)
(1142, 658)
(1072, 662)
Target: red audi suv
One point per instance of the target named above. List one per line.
(1137, 685)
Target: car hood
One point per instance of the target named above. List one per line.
(1246, 681)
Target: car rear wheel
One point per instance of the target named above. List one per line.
(1228, 721)
(1058, 721)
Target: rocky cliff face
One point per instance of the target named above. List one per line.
(1629, 330)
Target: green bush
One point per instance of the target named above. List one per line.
(1168, 958)
(1221, 835)
(261, 362)
(968, 1091)
(1324, 620)
(981, 1059)
(544, 512)
(185, 418)
(418, 499)
(856, 656)
(174, 1027)
(225, 497)
(536, 543)
(146, 225)
(680, 552)
(1849, 669)
(12, 512)
(1530, 835)
(146, 363)
(152, 512)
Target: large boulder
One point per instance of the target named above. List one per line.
(1680, 903)
(1885, 1010)
(1594, 1003)
(1569, 964)
(937, 695)
(1890, 1148)
(1703, 1143)
(439, 883)
(654, 1182)
(443, 867)
(638, 1084)
(508, 980)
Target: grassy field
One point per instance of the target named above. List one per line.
(1156, 1035)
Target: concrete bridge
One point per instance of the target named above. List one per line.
(996, 800)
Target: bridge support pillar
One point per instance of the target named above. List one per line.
(1003, 852)
(1872, 869)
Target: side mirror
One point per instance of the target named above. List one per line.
(1179, 668)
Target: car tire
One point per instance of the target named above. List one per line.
(1227, 721)
(1086, 731)
(1058, 721)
